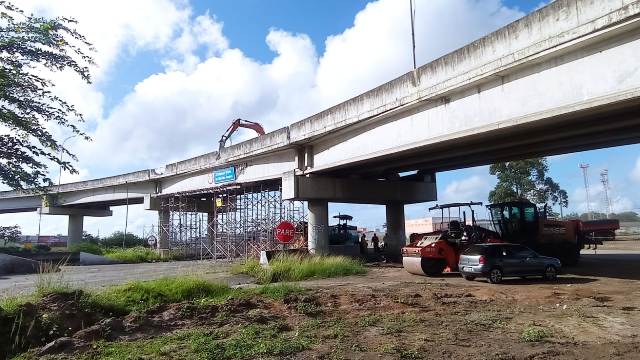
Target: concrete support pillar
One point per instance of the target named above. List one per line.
(318, 227)
(395, 238)
(74, 233)
(164, 218)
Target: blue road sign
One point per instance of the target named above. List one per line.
(224, 175)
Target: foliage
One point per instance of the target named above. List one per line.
(526, 180)
(117, 238)
(10, 234)
(533, 333)
(30, 47)
(134, 255)
(626, 216)
(247, 342)
(90, 238)
(287, 267)
(87, 247)
(139, 295)
(278, 291)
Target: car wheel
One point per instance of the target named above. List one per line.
(550, 273)
(469, 277)
(495, 276)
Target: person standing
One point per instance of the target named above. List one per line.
(363, 244)
(376, 243)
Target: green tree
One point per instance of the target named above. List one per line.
(31, 47)
(90, 238)
(9, 234)
(626, 216)
(526, 180)
(115, 240)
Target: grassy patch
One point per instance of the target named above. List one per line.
(295, 268)
(139, 295)
(533, 333)
(278, 291)
(369, 320)
(246, 342)
(87, 247)
(133, 255)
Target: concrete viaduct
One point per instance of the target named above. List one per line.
(564, 78)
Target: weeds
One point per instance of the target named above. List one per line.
(133, 255)
(50, 280)
(296, 268)
(87, 247)
(140, 295)
(369, 320)
(534, 333)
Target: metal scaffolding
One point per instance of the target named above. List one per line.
(230, 223)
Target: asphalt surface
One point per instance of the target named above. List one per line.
(97, 276)
(601, 264)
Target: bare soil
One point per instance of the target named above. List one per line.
(591, 312)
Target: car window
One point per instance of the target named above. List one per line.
(474, 250)
(523, 252)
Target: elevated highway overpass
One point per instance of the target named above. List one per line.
(564, 78)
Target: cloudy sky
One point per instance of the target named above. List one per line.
(171, 75)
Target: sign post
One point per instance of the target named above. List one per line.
(285, 232)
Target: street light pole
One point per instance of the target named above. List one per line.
(60, 159)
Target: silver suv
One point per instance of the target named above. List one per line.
(497, 261)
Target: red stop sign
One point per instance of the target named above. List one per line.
(284, 232)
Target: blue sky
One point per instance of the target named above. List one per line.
(277, 61)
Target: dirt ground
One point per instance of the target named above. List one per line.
(591, 312)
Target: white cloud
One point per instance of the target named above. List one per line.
(181, 111)
(619, 203)
(473, 188)
(635, 173)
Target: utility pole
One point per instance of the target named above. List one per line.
(585, 168)
(604, 179)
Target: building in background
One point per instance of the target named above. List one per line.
(49, 240)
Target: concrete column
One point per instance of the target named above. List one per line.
(318, 227)
(164, 217)
(395, 238)
(74, 231)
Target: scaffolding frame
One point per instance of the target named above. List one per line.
(238, 222)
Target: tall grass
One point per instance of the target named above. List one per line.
(288, 267)
(139, 295)
(50, 279)
(87, 247)
(132, 255)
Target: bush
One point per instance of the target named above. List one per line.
(87, 247)
(115, 240)
(534, 333)
(134, 255)
(287, 267)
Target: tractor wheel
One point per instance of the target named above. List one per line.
(433, 267)
(495, 276)
(550, 273)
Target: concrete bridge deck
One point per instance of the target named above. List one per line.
(564, 78)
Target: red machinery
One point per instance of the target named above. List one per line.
(516, 222)
(434, 252)
(240, 123)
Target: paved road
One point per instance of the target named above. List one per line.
(102, 275)
(601, 264)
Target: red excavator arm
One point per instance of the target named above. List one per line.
(239, 123)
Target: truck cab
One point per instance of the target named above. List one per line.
(520, 222)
